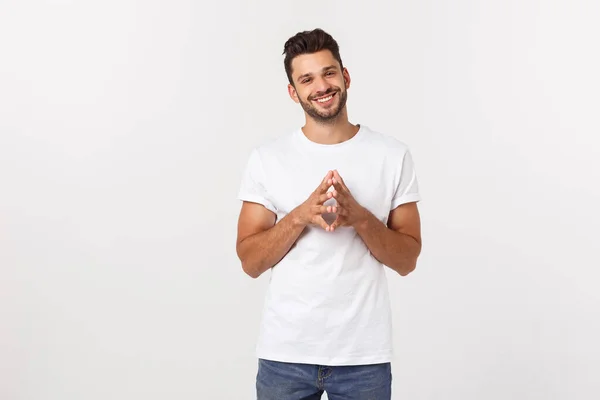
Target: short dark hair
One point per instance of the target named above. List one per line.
(308, 42)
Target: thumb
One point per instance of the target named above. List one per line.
(321, 222)
(336, 223)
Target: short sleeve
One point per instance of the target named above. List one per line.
(252, 187)
(407, 186)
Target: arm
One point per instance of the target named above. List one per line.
(397, 245)
(261, 243)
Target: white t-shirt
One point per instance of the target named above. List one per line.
(327, 301)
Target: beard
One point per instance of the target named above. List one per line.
(329, 115)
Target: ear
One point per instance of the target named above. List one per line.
(293, 93)
(346, 75)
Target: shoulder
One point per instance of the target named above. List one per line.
(386, 142)
(273, 146)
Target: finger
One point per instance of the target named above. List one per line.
(328, 209)
(337, 223)
(324, 197)
(340, 198)
(326, 183)
(337, 185)
(338, 177)
(321, 222)
(324, 186)
(339, 210)
(322, 209)
(319, 209)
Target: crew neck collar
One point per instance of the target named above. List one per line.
(306, 141)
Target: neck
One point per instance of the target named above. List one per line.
(332, 132)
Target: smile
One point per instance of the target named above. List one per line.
(325, 100)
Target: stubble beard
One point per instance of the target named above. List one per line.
(328, 116)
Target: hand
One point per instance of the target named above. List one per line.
(309, 212)
(348, 211)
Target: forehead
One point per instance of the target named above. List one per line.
(312, 63)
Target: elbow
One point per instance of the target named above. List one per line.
(407, 267)
(409, 264)
(405, 271)
(251, 272)
(247, 266)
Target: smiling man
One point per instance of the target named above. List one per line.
(326, 208)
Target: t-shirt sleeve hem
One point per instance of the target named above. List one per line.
(257, 199)
(408, 198)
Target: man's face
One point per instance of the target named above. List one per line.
(320, 86)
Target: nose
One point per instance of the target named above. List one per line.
(321, 86)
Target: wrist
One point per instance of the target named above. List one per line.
(296, 218)
(362, 219)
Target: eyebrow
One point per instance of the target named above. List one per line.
(325, 69)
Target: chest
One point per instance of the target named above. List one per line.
(291, 180)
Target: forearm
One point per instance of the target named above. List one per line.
(264, 250)
(394, 249)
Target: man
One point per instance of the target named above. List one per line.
(325, 207)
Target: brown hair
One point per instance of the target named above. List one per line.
(308, 42)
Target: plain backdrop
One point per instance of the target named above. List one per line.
(124, 129)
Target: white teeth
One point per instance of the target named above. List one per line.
(325, 99)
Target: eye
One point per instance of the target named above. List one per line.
(306, 80)
(330, 73)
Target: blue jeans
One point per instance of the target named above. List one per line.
(288, 381)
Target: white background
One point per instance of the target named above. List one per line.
(124, 128)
